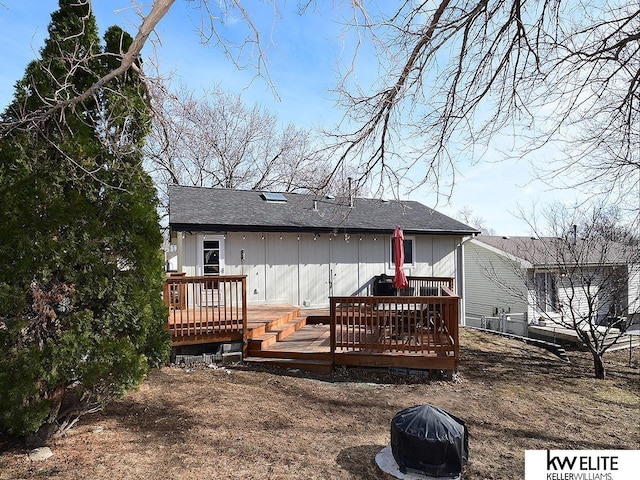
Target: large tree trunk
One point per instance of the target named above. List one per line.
(598, 366)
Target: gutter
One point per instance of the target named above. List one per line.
(190, 227)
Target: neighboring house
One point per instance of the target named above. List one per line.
(543, 278)
(301, 249)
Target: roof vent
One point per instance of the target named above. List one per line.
(273, 197)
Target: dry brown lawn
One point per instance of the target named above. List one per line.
(246, 423)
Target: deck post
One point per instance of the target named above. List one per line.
(332, 324)
(455, 332)
(245, 331)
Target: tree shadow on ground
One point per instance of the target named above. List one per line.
(164, 424)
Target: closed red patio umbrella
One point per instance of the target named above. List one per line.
(400, 279)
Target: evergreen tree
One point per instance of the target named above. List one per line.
(81, 314)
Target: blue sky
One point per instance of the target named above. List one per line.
(303, 58)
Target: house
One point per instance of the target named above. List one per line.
(309, 279)
(300, 249)
(515, 281)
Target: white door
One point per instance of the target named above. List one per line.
(211, 263)
(344, 267)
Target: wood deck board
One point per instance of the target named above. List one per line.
(309, 339)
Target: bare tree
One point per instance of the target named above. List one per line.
(578, 276)
(466, 215)
(457, 73)
(218, 141)
(454, 73)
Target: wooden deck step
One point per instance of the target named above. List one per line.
(305, 349)
(276, 331)
(262, 327)
(309, 339)
(279, 354)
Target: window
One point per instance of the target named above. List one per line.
(273, 197)
(546, 291)
(408, 251)
(211, 257)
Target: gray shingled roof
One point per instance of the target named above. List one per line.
(214, 209)
(552, 251)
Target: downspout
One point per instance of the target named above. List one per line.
(180, 251)
(300, 298)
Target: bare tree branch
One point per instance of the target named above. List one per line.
(577, 272)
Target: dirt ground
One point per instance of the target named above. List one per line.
(247, 423)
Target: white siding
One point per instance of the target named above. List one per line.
(345, 272)
(575, 295)
(424, 256)
(282, 268)
(254, 263)
(483, 293)
(314, 271)
(373, 261)
(444, 256)
(297, 269)
(190, 254)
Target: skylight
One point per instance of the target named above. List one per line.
(273, 197)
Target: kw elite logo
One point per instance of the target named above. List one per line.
(589, 467)
(581, 464)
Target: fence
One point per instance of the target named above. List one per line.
(514, 323)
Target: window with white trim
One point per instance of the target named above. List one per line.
(211, 257)
(409, 252)
(546, 291)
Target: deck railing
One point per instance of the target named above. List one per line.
(427, 286)
(421, 325)
(207, 306)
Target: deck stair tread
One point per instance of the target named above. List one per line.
(265, 324)
(276, 331)
(308, 339)
(257, 354)
(307, 345)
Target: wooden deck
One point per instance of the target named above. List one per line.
(211, 325)
(405, 332)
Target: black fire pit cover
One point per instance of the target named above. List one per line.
(430, 441)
